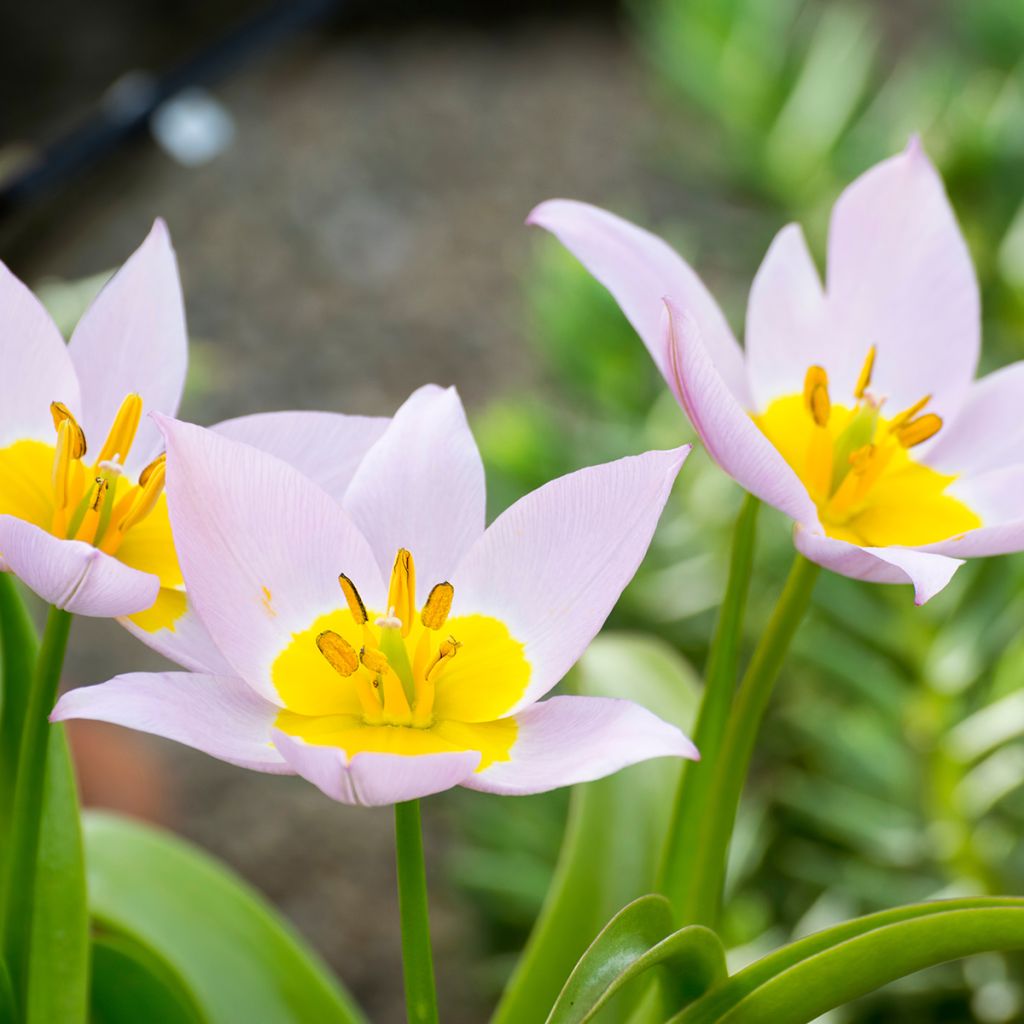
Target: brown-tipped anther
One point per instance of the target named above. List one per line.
(448, 649)
(160, 462)
(864, 380)
(919, 430)
(374, 660)
(352, 598)
(61, 414)
(147, 495)
(816, 395)
(101, 489)
(340, 654)
(439, 604)
(402, 591)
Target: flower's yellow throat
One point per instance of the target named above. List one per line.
(858, 467)
(407, 681)
(58, 489)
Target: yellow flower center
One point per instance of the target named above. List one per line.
(858, 467)
(402, 681)
(56, 488)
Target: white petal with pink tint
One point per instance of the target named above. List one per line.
(421, 487)
(732, 438)
(640, 270)
(132, 339)
(928, 572)
(325, 446)
(566, 740)
(553, 565)
(260, 547)
(35, 368)
(375, 780)
(72, 575)
(900, 277)
(218, 715)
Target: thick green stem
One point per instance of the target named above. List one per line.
(18, 646)
(711, 843)
(19, 877)
(720, 683)
(417, 960)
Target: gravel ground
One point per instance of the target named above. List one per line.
(362, 236)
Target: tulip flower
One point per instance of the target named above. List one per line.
(387, 646)
(83, 519)
(853, 408)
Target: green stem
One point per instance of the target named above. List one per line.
(19, 878)
(720, 682)
(711, 844)
(417, 961)
(18, 645)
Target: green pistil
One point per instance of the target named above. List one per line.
(859, 432)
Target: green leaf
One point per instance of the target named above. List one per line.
(242, 962)
(799, 982)
(59, 969)
(131, 983)
(638, 938)
(601, 869)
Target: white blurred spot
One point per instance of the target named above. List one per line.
(192, 127)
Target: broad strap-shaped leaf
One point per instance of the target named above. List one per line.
(240, 960)
(638, 938)
(601, 869)
(132, 983)
(799, 982)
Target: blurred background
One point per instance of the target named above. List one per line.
(346, 185)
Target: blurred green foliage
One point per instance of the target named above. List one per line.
(889, 768)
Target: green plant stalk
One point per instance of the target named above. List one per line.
(711, 843)
(417, 960)
(17, 658)
(691, 803)
(23, 841)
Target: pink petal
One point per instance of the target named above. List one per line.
(928, 572)
(988, 432)
(327, 447)
(36, 367)
(188, 644)
(900, 277)
(421, 487)
(218, 715)
(260, 547)
(566, 740)
(72, 575)
(554, 564)
(786, 329)
(640, 269)
(375, 780)
(731, 437)
(133, 339)
(998, 498)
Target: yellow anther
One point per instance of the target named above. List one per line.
(146, 497)
(864, 380)
(160, 462)
(122, 433)
(909, 413)
(402, 591)
(396, 710)
(62, 414)
(448, 649)
(861, 458)
(102, 486)
(352, 598)
(919, 430)
(340, 654)
(439, 604)
(62, 461)
(374, 660)
(816, 395)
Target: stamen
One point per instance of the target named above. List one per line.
(122, 432)
(62, 461)
(352, 598)
(340, 654)
(147, 497)
(396, 704)
(448, 649)
(439, 604)
(864, 380)
(402, 592)
(62, 414)
(919, 430)
(816, 395)
(909, 413)
(160, 462)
